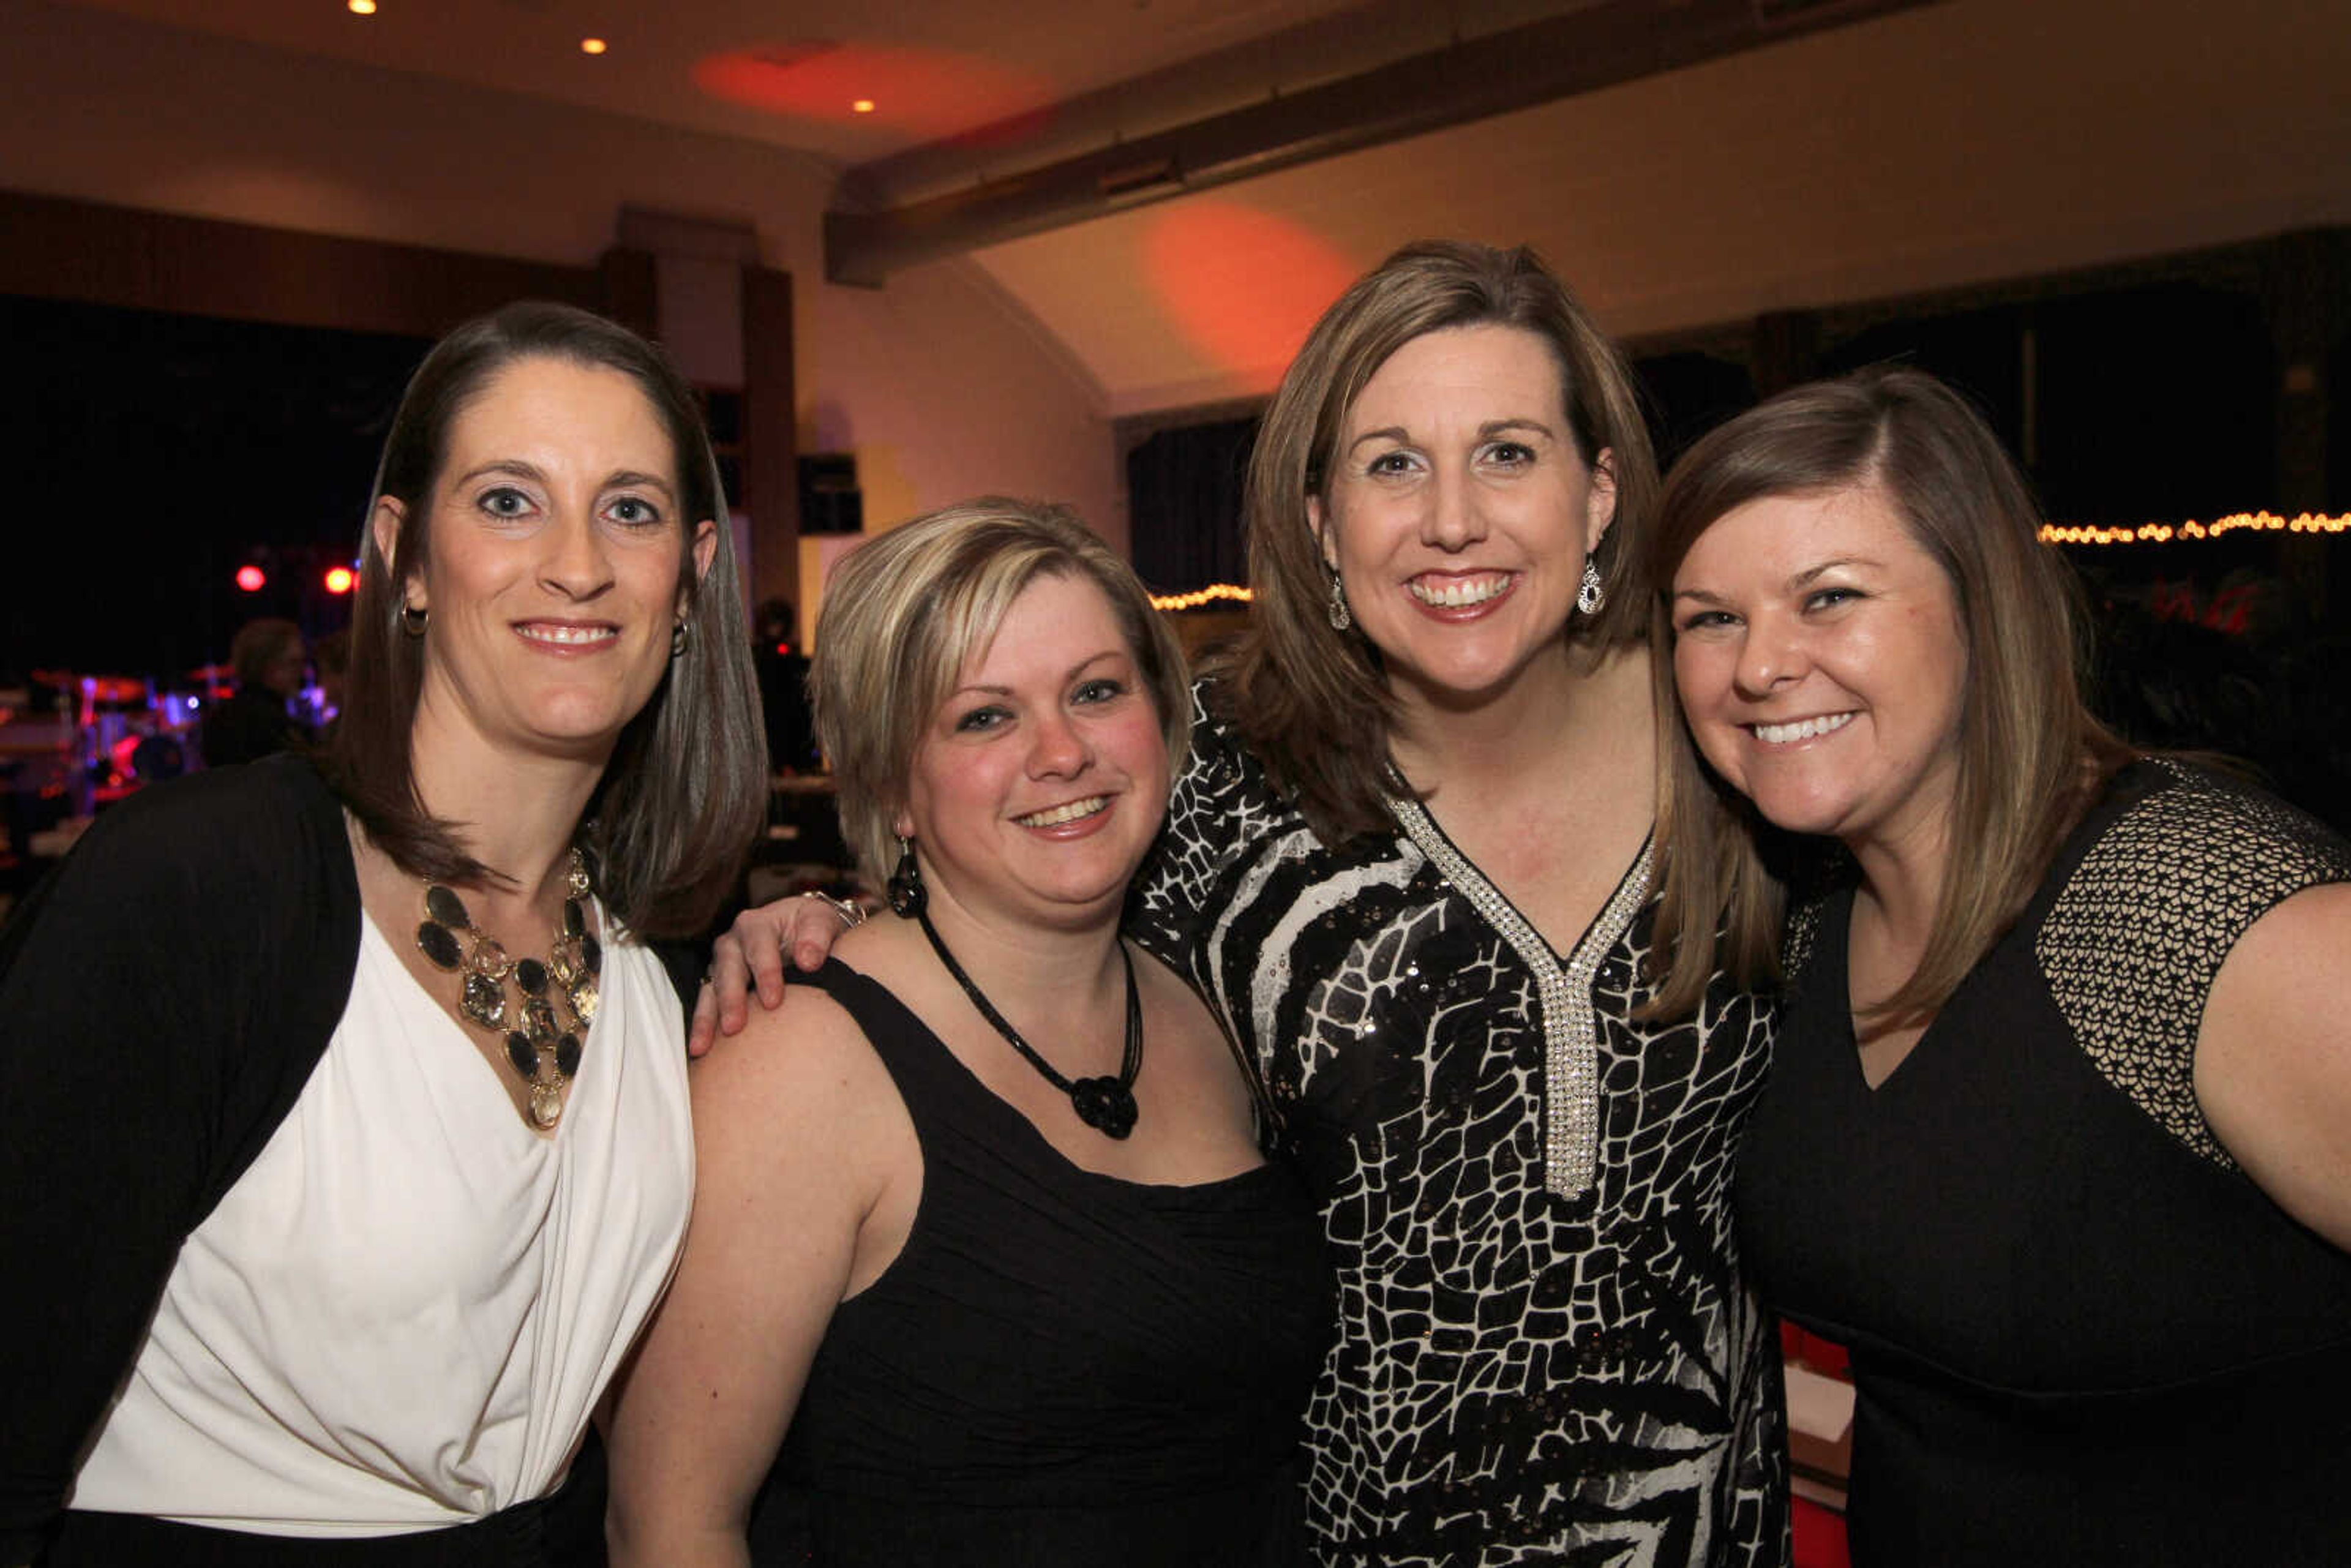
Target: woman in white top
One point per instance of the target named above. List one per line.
(343, 1127)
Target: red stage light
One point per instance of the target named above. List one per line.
(338, 579)
(1243, 286)
(251, 578)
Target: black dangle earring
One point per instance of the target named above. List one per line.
(906, 895)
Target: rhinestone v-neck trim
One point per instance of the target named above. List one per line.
(1570, 1026)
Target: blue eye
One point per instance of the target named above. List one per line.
(1099, 691)
(1829, 598)
(981, 719)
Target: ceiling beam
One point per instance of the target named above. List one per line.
(1596, 46)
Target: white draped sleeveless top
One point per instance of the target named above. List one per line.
(400, 1316)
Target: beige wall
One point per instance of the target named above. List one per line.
(941, 387)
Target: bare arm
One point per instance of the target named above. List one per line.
(751, 953)
(794, 1141)
(2273, 1057)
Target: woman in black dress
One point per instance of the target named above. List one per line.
(2054, 1137)
(986, 1224)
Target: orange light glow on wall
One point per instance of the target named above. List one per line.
(592, 46)
(1242, 286)
(930, 94)
(338, 579)
(252, 578)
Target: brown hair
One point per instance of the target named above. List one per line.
(2030, 753)
(684, 789)
(1310, 701)
(904, 615)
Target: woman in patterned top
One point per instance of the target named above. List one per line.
(1408, 864)
(2055, 1137)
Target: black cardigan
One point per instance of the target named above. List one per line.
(164, 997)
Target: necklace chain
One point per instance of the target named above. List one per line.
(542, 1006)
(1105, 1103)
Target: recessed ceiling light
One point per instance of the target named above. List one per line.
(862, 106)
(362, 8)
(593, 46)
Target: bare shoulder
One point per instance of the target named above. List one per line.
(2273, 1069)
(807, 1066)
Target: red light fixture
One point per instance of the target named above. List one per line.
(251, 578)
(338, 579)
(593, 46)
(862, 106)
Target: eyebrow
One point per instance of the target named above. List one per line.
(1802, 579)
(1081, 667)
(1487, 431)
(519, 468)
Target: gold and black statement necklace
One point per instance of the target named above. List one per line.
(1105, 1103)
(543, 1047)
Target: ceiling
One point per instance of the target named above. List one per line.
(1791, 154)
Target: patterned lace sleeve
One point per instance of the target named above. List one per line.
(1219, 795)
(2133, 942)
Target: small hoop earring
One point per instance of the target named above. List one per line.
(413, 619)
(680, 634)
(907, 898)
(1340, 617)
(1589, 594)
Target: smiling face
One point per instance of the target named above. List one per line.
(1043, 778)
(1459, 512)
(1823, 668)
(555, 570)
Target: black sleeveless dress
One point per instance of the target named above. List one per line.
(1059, 1367)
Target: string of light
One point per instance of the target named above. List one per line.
(1198, 596)
(2163, 533)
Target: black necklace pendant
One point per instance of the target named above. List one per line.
(1106, 1104)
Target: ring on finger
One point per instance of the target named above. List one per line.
(851, 916)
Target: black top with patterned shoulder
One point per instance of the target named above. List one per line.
(1545, 1351)
(2079, 1333)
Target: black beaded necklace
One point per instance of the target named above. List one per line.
(1106, 1104)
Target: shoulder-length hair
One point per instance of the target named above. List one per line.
(904, 614)
(1313, 702)
(686, 787)
(2030, 753)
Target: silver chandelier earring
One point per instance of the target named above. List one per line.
(1589, 594)
(1341, 618)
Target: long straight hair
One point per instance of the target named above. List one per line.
(2029, 754)
(1312, 702)
(686, 787)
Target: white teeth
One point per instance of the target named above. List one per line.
(570, 636)
(1055, 816)
(1803, 729)
(1459, 591)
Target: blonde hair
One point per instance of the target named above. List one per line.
(2030, 753)
(1312, 702)
(904, 615)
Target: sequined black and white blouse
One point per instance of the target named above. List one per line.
(1544, 1348)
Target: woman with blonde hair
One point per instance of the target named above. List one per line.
(985, 1224)
(1408, 862)
(2054, 1135)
